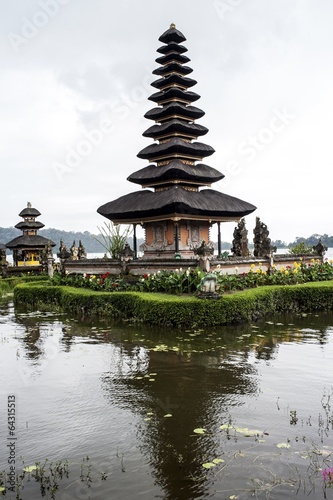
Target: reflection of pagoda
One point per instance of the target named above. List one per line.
(175, 213)
(27, 248)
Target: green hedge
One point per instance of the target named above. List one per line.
(8, 284)
(177, 311)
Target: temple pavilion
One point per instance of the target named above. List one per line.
(28, 247)
(172, 207)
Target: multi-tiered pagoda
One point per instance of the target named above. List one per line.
(28, 247)
(173, 209)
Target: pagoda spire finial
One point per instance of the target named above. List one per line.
(172, 26)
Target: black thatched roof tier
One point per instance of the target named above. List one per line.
(175, 202)
(174, 79)
(175, 94)
(29, 224)
(176, 171)
(172, 47)
(175, 110)
(172, 35)
(176, 148)
(29, 212)
(31, 241)
(173, 56)
(175, 128)
(173, 68)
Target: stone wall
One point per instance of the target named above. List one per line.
(141, 266)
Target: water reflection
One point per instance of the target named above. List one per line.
(170, 382)
(197, 389)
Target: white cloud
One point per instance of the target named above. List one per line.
(92, 61)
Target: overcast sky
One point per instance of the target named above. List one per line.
(75, 77)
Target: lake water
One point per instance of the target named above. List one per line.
(150, 407)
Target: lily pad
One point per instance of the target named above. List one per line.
(247, 432)
(283, 445)
(208, 465)
(199, 430)
(30, 468)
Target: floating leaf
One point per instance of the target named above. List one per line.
(152, 374)
(2, 488)
(30, 468)
(233, 497)
(208, 465)
(218, 460)
(150, 413)
(199, 430)
(168, 415)
(247, 432)
(226, 426)
(283, 445)
(151, 380)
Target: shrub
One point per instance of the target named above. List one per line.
(176, 311)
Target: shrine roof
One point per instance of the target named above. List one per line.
(29, 211)
(176, 147)
(174, 201)
(172, 35)
(29, 241)
(176, 169)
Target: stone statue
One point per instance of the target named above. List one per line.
(320, 249)
(240, 244)
(2, 254)
(82, 254)
(204, 252)
(49, 258)
(127, 253)
(262, 243)
(74, 251)
(63, 252)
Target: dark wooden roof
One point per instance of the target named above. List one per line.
(174, 93)
(29, 212)
(176, 147)
(171, 57)
(172, 35)
(31, 241)
(27, 224)
(174, 79)
(173, 110)
(172, 47)
(175, 127)
(176, 170)
(173, 67)
(176, 201)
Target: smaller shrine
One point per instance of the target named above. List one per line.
(28, 248)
